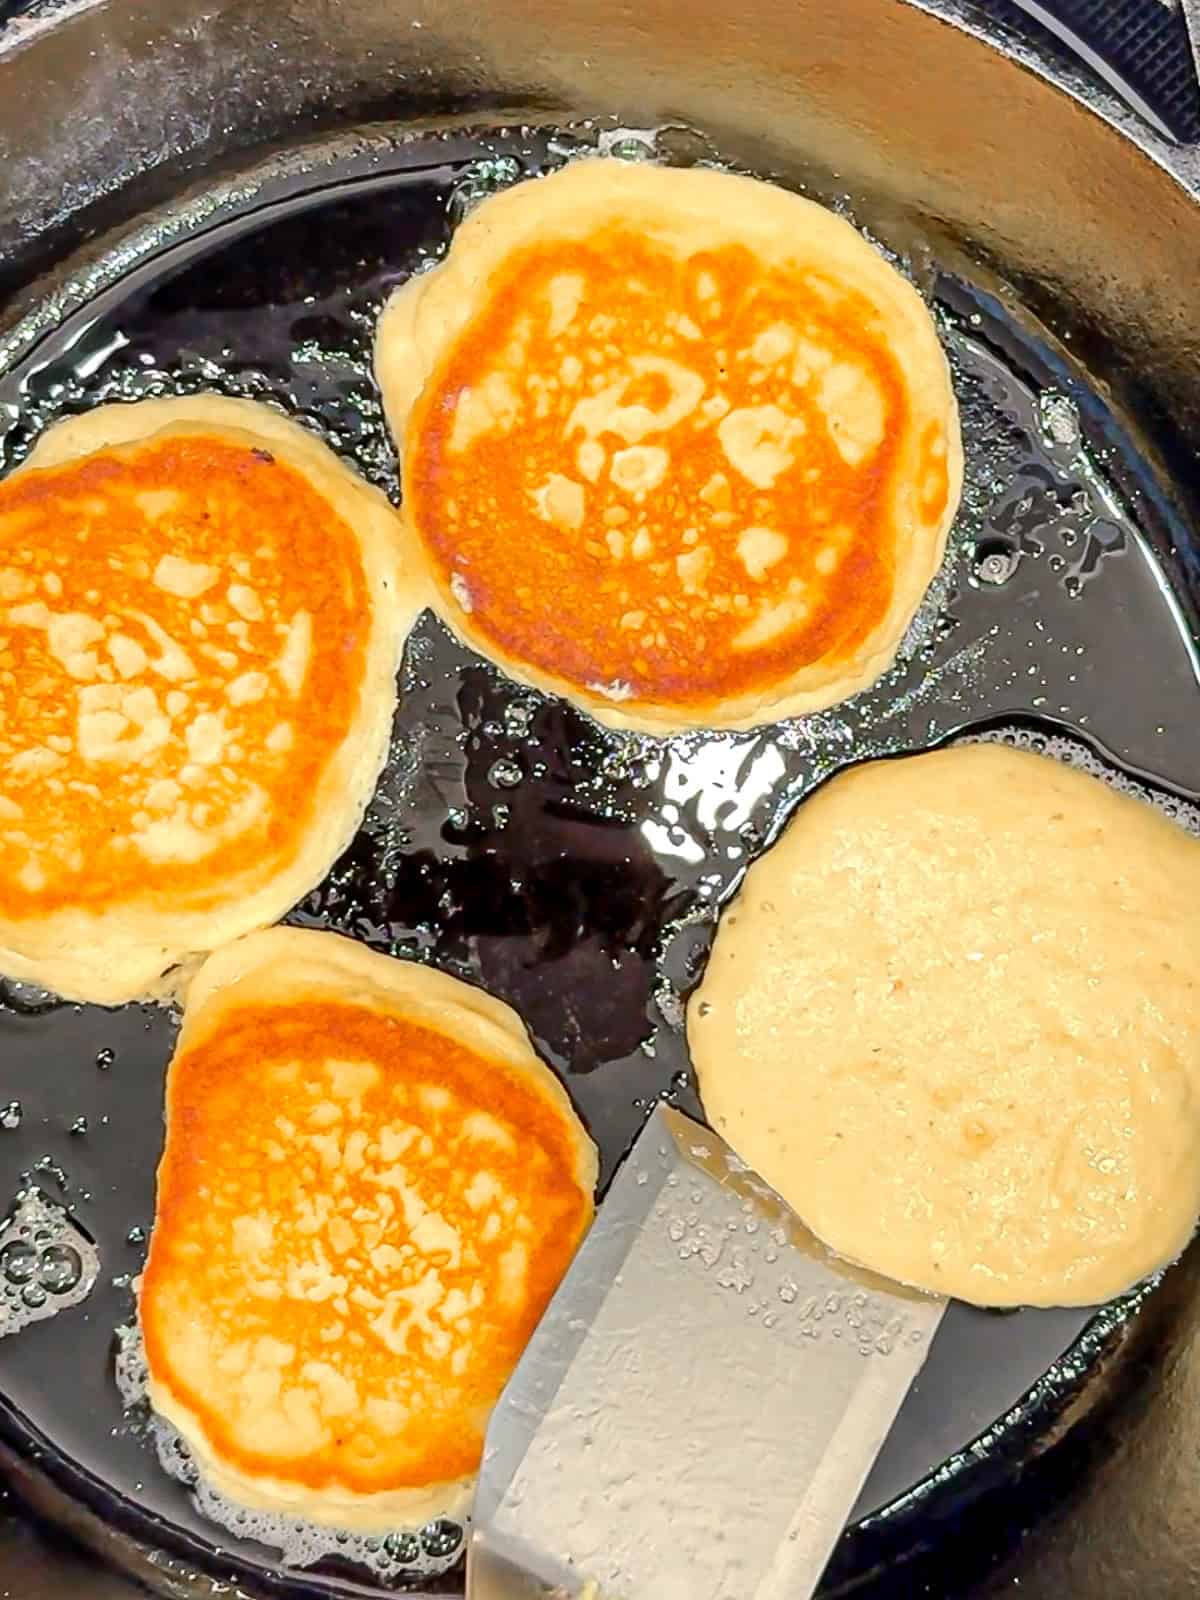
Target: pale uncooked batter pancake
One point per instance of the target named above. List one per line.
(370, 1189)
(954, 1018)
(201, 615)
(679, 445)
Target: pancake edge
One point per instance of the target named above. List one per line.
(338, 968)
(121, 953)
(423, 318)
(1100, 1283)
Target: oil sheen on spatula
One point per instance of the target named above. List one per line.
(703, 1400)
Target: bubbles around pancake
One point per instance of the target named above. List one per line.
(405, 1556)
(1073, 752)
(47, 1261)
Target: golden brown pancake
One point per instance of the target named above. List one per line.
(677, 444)
(201, 615)
(370, 1189)
(951, 1017)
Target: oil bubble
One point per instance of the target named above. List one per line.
(60, 1268)
(1074, 753)
(402, 1548)
(994, 562)
(441, 1539)
(504, 774)
(518, 719)
(18, 1262)
(47, 1261)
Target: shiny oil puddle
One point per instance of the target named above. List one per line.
(574, 871)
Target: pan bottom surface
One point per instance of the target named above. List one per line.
(573, 871)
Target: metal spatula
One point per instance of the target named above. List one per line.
(700, 1406)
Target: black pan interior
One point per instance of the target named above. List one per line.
(574, 871)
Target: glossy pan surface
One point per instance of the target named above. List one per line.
(577, 872)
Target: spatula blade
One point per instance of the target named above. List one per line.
(700, 1406)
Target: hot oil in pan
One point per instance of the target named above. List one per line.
(574, 871)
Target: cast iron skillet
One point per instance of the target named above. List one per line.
(189, 206)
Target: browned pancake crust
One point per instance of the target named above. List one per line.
(359, 1223)
(151, 743)
(708, 553)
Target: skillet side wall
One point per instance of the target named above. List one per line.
(116, 107)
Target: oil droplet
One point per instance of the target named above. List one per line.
(1060, 418)
(60, 1269)
(994, 562)
(43, 1253)
(53, 1169)
(18, 1262)
(440, 1538)
(479, 180)
(518, 719)
(629, 147)
(504, 774)
(403, 1548)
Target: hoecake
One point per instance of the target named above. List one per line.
(679, 445)
(951, 1018)
(201, 615)
(370, 1189)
